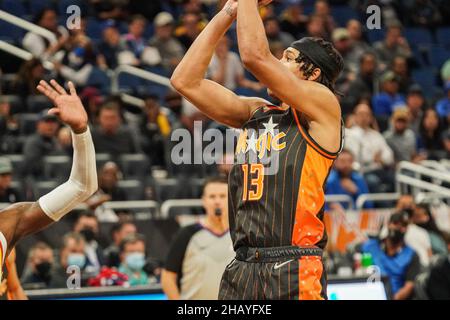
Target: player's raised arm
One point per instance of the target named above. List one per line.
(214, 100)
(284, 77)
(22, 219)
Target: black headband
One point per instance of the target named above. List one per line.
(318, 55)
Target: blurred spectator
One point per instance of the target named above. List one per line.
(8, 194)
(42, 143)
(225, 165)
(446, 141)
(64, 138)
(132, 256)
(107, 9)
(111, 135)
(445, 71)
(316, 28)
(423, 218)
(415, 102)
(28, 77)
(277, 49)
(392, 46)
(140, 53)
(155, 129)
(189, 30)
(430, 140)
(395, 259)
(342, 43)
(443, 105)
(344, 180)
(274, 33)
(108, 190)
(400, 137)
(438, 284)
(170, 49)
(119, 231)
(424, 13)
(322, 9)
(72, 254)
(364, 84)
(111, 46)
(401, 70)
(200, 252)
(40, 264)
(355, 30)
(384, 102)
(370, 149)
(9, 126)
(292, 19)
(226, 68)
(87, 225)
(39, 46)
(92, 100)
(416, 237)
(79, 59)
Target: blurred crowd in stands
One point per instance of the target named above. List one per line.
(394, 93)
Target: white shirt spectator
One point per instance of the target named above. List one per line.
(36, 44)
(418, 239)
(234, 69)
(365, 144)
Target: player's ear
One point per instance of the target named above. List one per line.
(315, 74)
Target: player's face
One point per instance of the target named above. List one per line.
(289, 61)
(215, 196)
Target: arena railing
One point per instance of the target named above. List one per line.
(24, 24)
(410, 175)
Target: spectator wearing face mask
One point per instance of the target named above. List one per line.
(72, 254)
(87, 226)
(119, 232)
(395, 259)
(40, 263)
(132, 256)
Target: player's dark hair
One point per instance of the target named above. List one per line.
(308, 65)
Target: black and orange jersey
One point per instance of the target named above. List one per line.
(276, 186)
(3, 249)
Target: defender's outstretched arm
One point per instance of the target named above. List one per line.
(22, 219)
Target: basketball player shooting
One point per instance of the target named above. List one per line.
(25, 218)
(275, 220)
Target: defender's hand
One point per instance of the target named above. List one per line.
(67, 107)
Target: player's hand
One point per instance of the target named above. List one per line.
(67, 106)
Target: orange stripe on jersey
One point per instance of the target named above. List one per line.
(308, 228)
(310, 141)
(1, 261)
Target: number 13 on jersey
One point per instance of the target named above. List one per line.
(255, 190)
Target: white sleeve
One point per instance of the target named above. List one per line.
(34, 43)
(79, 77)
(82, 182)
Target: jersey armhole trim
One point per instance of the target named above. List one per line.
(314, 144)
(3, 247)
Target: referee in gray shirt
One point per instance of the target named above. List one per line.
(200, 252)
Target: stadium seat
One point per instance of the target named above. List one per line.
(100, 80)
(166, 189)
(375, 35)
(135, 166)
(41, 188)
(14, 7)
(27, 123)
(35, 6)
(101, 159)
(438, 55)
(427, 80)
(94, 29)
(132, 188)
(418, 36)
(37, 103)
(128, 82)
(17, 163)
(16, 103)
(11, 33)
(57, 167)
(342, 14)
(443, 36)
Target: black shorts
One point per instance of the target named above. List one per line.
(274, 273)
